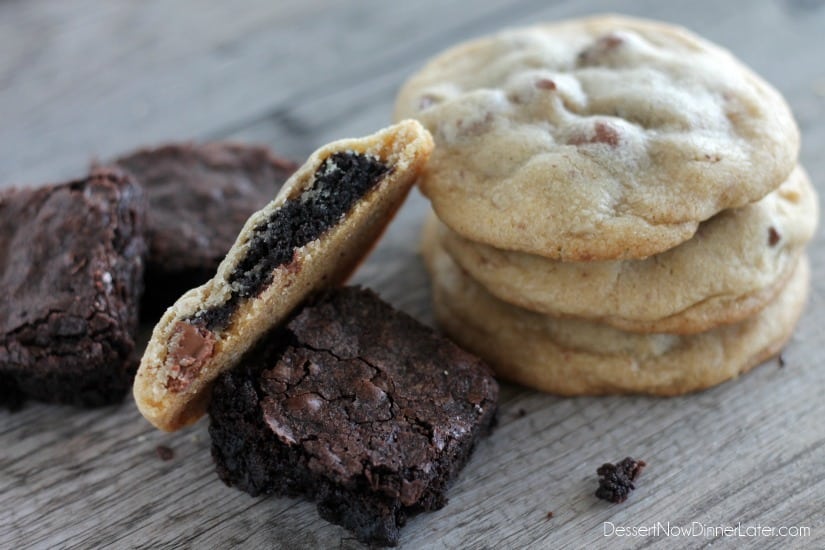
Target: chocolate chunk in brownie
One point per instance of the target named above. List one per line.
(338, 184)
(71, 268)
(355, 406)
(200, 196)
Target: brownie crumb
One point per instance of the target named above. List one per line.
(616, 480)
(549, 515)
(165, 453)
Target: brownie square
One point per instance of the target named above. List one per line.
(71, 267)
(356, 406)
(200, 196)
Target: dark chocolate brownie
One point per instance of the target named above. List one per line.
(356, 406)
(199, 198)
(71, 268)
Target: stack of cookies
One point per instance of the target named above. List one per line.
(619, 207)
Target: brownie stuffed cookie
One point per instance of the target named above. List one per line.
(311, 236)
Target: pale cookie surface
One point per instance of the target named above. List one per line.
(595, 139)
(731, 268)
(311, 236)
(574, 357)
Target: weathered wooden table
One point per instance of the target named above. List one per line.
(96, 78)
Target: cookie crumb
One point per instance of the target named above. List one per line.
(549, 515)
(165, 453)
(616, 480)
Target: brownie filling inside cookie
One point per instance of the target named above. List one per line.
(339, 182)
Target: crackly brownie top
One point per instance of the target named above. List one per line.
(201, 195)
(370, 394)
(69, 255)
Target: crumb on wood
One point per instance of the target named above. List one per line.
(164, 453)
(616, 480)
(549, 515)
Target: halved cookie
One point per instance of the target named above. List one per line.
(600, 138)
(311, 236)
(575, 357)
(734, 265)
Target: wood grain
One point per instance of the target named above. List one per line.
(96, 78)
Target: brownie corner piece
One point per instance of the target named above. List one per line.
(356, 406)
(71, 268)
